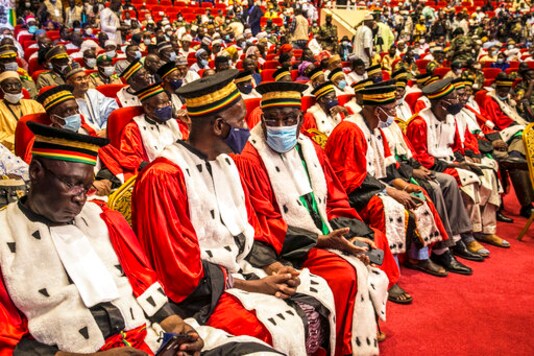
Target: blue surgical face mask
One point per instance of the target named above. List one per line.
(504, 98)
(32, 29)
(237, 138)
(138, 54)
(390, 119)
(246, 88)
(72, 122)
(164, 114)
(203, 63)
(172, 56)
(376, 79)
(331, 103)
(342, 84)
(176, 84)
(282, 138)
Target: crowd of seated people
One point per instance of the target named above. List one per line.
(276, 175)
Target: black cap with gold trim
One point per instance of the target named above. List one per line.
(211, 95)
(8, 51)
(56, 52)
(281, 94)
(336, 74)
(130, 71)
(379, 95)
(323, 89)
(165, 70)
(315, 73)
(55, 96)
(280, 73)
(362, 84)
(149, 92)
(242, 77)
(438, 89)
(64, 145)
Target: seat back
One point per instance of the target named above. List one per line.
(23, 135)
(117, 120)
(251, 104)
(267, 75)
(110, 90)
(345, 98)
(121, 199)
(307, 102)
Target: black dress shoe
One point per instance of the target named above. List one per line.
(450, 263)
(514, 163)
(503, 218)
(526, 211)
(461, 250)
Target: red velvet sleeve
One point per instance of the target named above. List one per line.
(256, 181)
(337, 203)
(495, 114)
(416, 133)
(254, 117)
(160, 215)
(419, 105)
(471, 142)
(132, 143)
(117, 162)
(346, 148)
(13, 324)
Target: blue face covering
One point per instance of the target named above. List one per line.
(32, 29)
(176, 84)
(342, 84)
(388, 122)
(237, 138)
(283, 138)
(331, 103)
(73, 122)
(246, 88)
(164, 113)
(172, 57)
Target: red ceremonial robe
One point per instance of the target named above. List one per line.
(13, 325)
(347, 149)
(338, 273)
(160, 214)
(417, 134)
(495, 114)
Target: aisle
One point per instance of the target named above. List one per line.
(488, 313)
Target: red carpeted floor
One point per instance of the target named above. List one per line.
(488, 313)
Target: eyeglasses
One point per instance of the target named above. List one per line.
(74, 189)
(287, 120)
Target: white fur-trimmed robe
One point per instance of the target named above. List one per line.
(218, 213)
(286, 189)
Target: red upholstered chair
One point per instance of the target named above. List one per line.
(307, 102)
(118, 119)
(110, 90)
(441, 71)
(267, 75)
(385, 75)
(251, 104)
(23, 135)
(345, 98)
(294, 74)
(33, 65)
(491, 73)
(271, 65)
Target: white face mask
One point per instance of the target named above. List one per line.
(109, 71)
(13, 98)
(147, 41)
(90, 62)
(112, 53)
(11, 66)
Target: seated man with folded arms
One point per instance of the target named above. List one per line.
(206, 228)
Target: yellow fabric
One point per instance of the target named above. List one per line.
(8, 123)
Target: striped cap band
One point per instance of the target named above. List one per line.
(280, 75)
(149, 92)
(174, 69)
(316, 75)
(379, 98)
(432, 79)
(460, 84)
(372, 71)
(326, 89)
(57, 98)
(400, 84)
(246, 78)
(337, 75)
(281, 98)
(359, 86)
(446, 90)
(65, 150)
(214, 101)
(504, 83)
(130, 71)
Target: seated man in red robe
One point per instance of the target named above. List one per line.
(361, 158)
(299, 200)
(73, 279)
(62, 111)
(503, 118)
(202, 245)
(147, 135)
(437, 145)
(324, 115)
